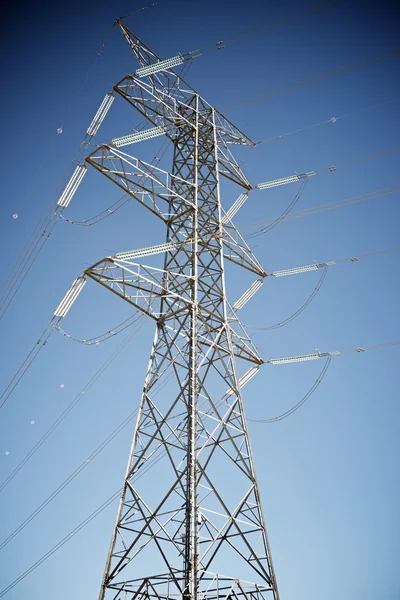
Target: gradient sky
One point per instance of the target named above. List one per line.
(328, 474)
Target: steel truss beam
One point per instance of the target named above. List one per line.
(192, 527)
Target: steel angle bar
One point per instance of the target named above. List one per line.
(229, 167)
(147, 268)
(147, 291)
(249, 523)
(150, 279)
(229, 132)
(104, 160)
(237, 251)
(164, 103)
(243, 347)
(157, 176)
(231, 515)
(139, 175)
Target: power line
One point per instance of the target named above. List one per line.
(61, 543)
(313, 267)
(331, 168)
(105, 504)
(69, 408)
(106, 441)
(303, 178)
(40, 234)
(299, 310)
(103, 337)
(312, 80)
(304, 399)
(71, 477)
(286, 212)
(307, 357)
(115, 206)
(40, 344)
(33, 249)
(317, 355)
(326, 121)
(151, 463)
(288, 19)
(325, 207)
(330, 263)
(76, 530)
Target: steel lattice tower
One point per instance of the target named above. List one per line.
(192, 528)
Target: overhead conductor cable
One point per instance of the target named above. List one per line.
(304, 357)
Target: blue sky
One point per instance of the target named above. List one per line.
(328, 474)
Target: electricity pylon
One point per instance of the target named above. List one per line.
(192, 526)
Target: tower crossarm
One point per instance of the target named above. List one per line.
(237, 251)
(170, 83)
(139, 179)
(170, 108)
(140, 285)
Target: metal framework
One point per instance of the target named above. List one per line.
(191, 527)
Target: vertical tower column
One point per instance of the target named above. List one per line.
(189, 523)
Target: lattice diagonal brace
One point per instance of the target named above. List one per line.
(191, 527)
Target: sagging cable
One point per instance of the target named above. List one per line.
(299, 310)
(99, 339)
(301, 402)
(285, 213)
(317, 355)
(59, 313)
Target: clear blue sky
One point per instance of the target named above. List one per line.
(328, 474)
